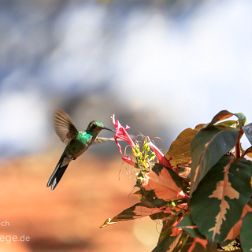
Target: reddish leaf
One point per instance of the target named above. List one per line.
(235, 230)
(175, 243)
(163, 185)
(248, 152)
(196, 240)
(179, 152)
(224, 114)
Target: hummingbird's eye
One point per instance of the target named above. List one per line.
(91, 125)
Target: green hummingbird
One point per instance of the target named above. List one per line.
(76, 142)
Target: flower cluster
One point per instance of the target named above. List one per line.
(143, 156)
(162, 192)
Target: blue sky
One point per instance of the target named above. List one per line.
(186, 69)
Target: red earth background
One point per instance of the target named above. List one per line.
(68, 219)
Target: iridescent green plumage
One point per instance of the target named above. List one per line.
(77, 142)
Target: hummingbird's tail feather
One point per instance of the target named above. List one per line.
(58, 171)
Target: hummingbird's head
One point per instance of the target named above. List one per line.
(96, 126)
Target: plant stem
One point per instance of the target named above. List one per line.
(237, 145)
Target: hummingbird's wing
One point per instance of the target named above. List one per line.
(64, 127)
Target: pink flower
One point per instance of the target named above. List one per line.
(160, 156)
(128, 160)
(122, 134)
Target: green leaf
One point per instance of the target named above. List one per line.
(246, 233)
(198, 247)
(149, 198)
(241, 118)
(218, 202)
(181, 242)
(165, 239)
(228, 123)
(208, 146)
(159, 216)
(248, 132)
(138, 210)
(179, 152)
(187, 225)
(168, 243)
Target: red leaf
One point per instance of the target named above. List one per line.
(163, 185)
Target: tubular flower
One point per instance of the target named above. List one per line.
(128, 160)
(121, 133)
(144, 154)
(159, 154)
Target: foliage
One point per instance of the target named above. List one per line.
(201, 188)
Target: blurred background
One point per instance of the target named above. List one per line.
(159, 65)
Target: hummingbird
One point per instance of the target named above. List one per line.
(77, 142)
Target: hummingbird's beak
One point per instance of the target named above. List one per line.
(108, 129)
